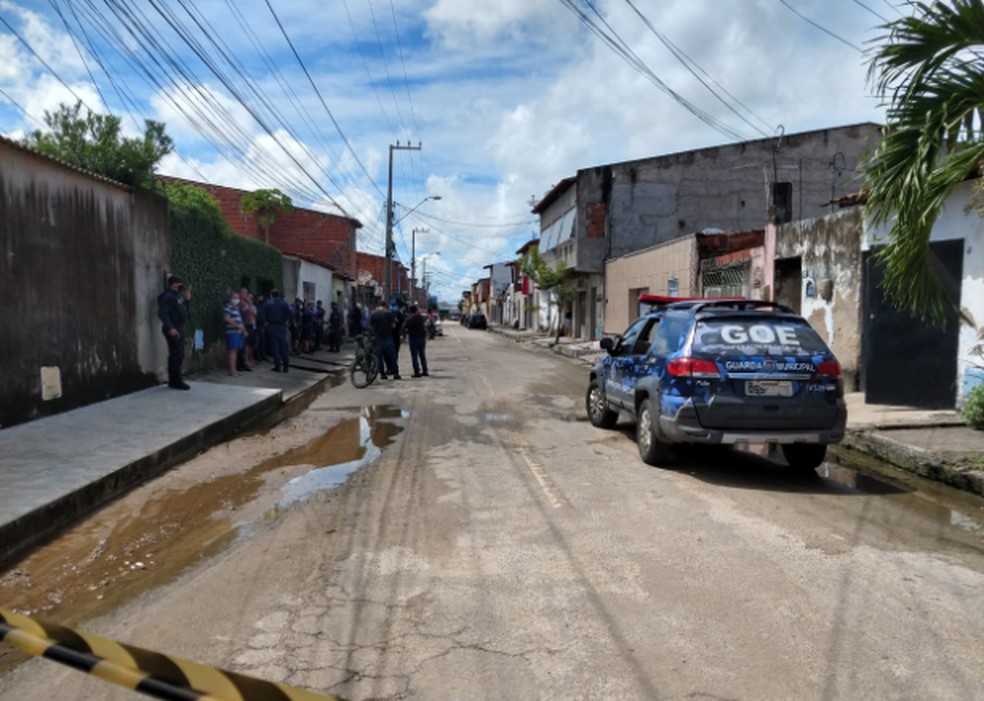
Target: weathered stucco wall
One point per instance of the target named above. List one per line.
(83, 262)
(830, 251)
(658, 199)
(650, 270)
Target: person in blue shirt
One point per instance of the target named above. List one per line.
(235, 329)
(276, 315)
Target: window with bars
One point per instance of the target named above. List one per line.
(725, 281)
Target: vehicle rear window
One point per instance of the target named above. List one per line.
(671, 334)
(757, 336)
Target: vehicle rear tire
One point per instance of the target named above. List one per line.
(651, 449)
(802, 456)
(597, 407)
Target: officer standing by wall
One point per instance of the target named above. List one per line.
(173, 308)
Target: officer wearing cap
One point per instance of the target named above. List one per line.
(173, 306)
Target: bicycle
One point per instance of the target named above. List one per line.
(365, 368)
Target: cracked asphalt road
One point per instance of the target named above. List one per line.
(501, 547)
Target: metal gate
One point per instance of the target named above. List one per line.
(907, 361)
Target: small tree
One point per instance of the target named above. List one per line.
(266, 205)
(557, 280)
(193, 201)
(95, 142)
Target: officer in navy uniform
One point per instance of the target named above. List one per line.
(276, 313)
(173, 305)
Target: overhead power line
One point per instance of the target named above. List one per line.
(177, 84)
(477, 225)
(618, 45)
(879, 16)
(695, 70)
(62, 81)
(16, 104)
(321, 98)
(821, 27)
(175, 81)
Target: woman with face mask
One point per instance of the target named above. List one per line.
(235, 330)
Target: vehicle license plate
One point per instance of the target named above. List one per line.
(769, 388)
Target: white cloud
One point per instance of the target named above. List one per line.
(48, 41)
(463, 24)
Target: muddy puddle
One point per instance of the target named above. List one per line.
(134, 545)
(926, 507)
(945, 507)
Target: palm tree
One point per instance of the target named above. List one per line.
(929, 70)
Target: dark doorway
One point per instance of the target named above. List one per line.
(907, 361)
(789, 283)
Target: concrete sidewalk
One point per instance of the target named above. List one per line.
(934, 444)
(56, 469)
(931, 443)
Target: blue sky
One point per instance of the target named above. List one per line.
(506, 96)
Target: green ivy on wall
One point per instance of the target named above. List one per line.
(214, 261)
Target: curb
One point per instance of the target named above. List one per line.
(529, 342)
(40, 525)
(916, 460)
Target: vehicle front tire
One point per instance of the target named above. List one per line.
(651, 449)
(801, 456)
(597, 407)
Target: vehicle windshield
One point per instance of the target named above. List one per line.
(731, 336)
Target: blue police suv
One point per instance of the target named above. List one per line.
(722, 372)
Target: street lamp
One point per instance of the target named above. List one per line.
(413, 242)
(413, 259)
(416, 207)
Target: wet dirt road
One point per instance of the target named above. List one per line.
(490, 543)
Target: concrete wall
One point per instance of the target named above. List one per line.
(830, 250)
(318, 275)
(657, 199)
(84, 260)
(649, 270)
(957, 222)
(591, 222)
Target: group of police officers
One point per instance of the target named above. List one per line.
(174, 303)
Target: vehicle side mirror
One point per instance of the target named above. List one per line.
(607, 344)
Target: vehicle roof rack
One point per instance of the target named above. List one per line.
(739, 305)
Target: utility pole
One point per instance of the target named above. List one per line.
(388, 273)
(413, 261)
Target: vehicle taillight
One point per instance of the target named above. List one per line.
(829, 368)
(693, 367)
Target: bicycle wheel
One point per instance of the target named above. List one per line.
(364, 371)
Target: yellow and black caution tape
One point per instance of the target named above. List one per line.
(146, 671)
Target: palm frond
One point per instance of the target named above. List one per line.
(932, 141)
